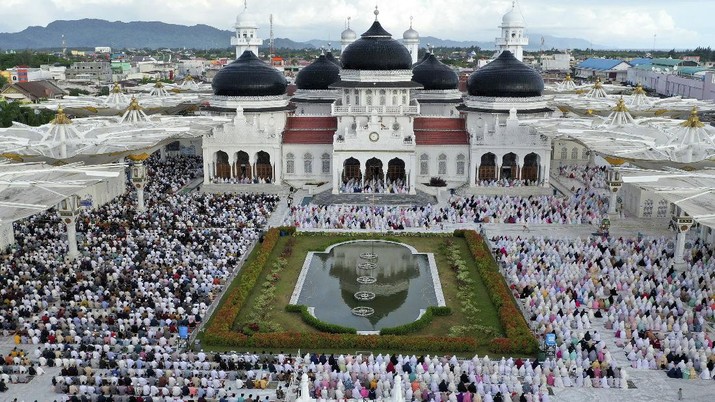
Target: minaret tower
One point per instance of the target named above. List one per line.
(512, 34)
(411, 40)
(246, 33)
(347, 37)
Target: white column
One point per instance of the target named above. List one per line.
(278, 167)
(72, 251)
(141, 206)
(679, 247)
(162, 153)
(207, 170)
(336, 176)
(232, 163)
(683, 223)
(413, 181)
(612, 201)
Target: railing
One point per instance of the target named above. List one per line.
(381, 110)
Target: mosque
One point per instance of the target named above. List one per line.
(377, 118)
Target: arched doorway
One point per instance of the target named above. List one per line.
(530, 171)
(396, 170)
(488, 167)
(243, 166)
(509, 167)
(223, 168)
(264, 169)
(373, 170)
(351, 170)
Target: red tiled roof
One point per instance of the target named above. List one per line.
(436, 131)
(310, 130)
(312, 123)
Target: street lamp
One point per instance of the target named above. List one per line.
(69, 209)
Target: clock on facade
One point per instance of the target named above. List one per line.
(374, 136)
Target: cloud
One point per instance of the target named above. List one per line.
(610, 22)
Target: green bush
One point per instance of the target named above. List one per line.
(316, 323)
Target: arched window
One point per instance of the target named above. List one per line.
(325, 162)
(308, 163)
(584, 153)
(424, 164)
(290, 163)
(564, 153)
(442, 165)
(460, 164)
(574, 153)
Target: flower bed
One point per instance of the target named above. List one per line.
(219, 331)
(316, 323)
(519, 338)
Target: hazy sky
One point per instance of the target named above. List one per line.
(621, 23)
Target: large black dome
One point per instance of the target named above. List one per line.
(376, 50)
(331, 58)
(318, 75)
(506, 77)
(433, 74)
(249, 76)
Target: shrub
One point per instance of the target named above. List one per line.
(437, 182)
(316, 323)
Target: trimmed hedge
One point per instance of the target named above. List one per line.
(418, 324)
(519, 338)
(316, 323)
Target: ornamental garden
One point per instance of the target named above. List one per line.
(435, 293)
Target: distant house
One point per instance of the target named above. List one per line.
(606, 69)
(31, 92)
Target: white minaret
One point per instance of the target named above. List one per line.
(512, 34)
(347, 37)
(411, 40)
(246, 33)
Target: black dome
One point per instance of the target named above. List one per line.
(506, 77)
(318, 75)
(332, 59)
(376, 50)
(433, 74)
(249, 76)
(422, 59)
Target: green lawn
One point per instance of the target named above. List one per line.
(440, 326)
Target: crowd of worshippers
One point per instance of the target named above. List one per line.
(658, 314)
(583, 207)
(172, 375)
(425, 378)
(139, 276)
(590, 176)
(507, 183)
(240, 180)
(377, 186)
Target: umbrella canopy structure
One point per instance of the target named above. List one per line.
(100, 140)
(692, 191)
(29, 188)
(620, 136)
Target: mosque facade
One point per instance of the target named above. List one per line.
(376, 119)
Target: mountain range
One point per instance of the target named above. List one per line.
(88, 33)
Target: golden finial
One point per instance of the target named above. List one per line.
(116, 88)
(598, 84)
(158, 85)
(693, 121)
(620, 106)
(639, 90)
(61, 117)
(189, 78)
(568, 77)
(589, 112)
(134, 104)
(138, 157)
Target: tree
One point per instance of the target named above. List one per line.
(14, 111)
(3, 81)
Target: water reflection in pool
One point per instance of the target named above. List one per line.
(402, 285)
